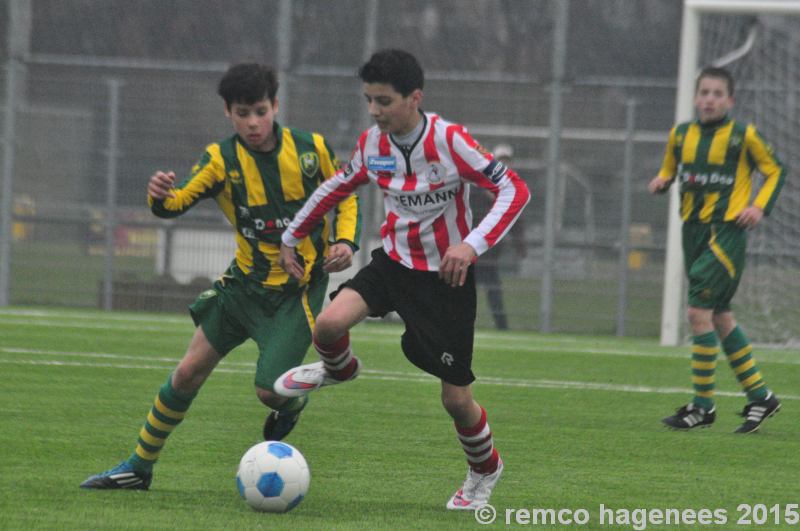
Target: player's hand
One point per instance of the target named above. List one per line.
(658, 185)
(749, 217)
(455, 264)
(161, 184)
(289, 262)
(340, 257)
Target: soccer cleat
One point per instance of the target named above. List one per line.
(302, 380)
(122, 476)
(757, 412)
(690, 416)
(475, 491)
(280, 423)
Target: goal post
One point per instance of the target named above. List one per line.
(673, 302)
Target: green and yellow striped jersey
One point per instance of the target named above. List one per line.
(714, 164)
(259, 193)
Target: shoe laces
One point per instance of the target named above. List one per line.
(475, 487)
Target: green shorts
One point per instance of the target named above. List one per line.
(714, 256)
(281, 323)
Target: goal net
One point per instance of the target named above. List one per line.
(762, 50)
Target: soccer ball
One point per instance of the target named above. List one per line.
(273, 476)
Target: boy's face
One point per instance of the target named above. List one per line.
(393, 113)
(253, 123)
(712, 99)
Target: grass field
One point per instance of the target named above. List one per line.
(575, 418)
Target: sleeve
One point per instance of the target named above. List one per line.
(333, 191)
(669, 165)
(347, 224)
(770, 167)
(511, 193)
(207, 179)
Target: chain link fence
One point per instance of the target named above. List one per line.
(106, 100)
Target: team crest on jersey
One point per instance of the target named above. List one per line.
(381, 163)
(482, 150)
(436, 173)
(309, 163)
(235, 176)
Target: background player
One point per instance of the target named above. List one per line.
(714, 158)
(487, 269)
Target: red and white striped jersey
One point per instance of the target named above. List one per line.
(425, 193)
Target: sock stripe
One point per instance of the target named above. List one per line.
(167, 411)
(146, 437)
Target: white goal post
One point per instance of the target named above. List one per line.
(672, 315)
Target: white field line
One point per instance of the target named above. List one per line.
(496, 343)
(367, 374)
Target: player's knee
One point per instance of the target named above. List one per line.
(699, 318)
(186, 379)
(457, 405)
(270, 398)
(329, 328)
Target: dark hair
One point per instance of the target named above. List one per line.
(248, 83)
(397, 68)
(717, 72)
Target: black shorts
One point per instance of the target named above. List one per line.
(439, 319)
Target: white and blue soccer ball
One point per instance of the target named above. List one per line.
(273, 476)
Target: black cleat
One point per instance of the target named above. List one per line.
(757, 412)
(279, 424)
(690, 416)
(122, 476)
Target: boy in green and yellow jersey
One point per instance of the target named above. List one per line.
(260, 177)
(714, 158)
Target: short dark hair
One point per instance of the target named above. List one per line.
(716, 72)
(397, 68)
(248, 83)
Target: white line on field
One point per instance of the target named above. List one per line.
(410, 377)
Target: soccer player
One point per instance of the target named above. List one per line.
(423, 165)
(260, 177)
(714, 158)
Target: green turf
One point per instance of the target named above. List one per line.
(576, 420)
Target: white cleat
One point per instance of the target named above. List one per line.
(475, 491)
(303, 379)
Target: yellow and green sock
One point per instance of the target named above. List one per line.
(169, 408)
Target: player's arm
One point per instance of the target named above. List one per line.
(511, 196)
(769, 166)
(347, 222)
(329, 194)
(666, 175)
(168, 201)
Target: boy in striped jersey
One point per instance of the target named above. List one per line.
(423, 165)
(714, 158)
(260, 177)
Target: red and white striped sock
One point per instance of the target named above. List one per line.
(337, 357)
(478, 444)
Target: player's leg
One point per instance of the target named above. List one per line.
(331, 339)
(217, 333)
(494, 291)
(361, 296)
(475, 436)
(762, 403)
(706, 283)
(168, 410)
(283, 339)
